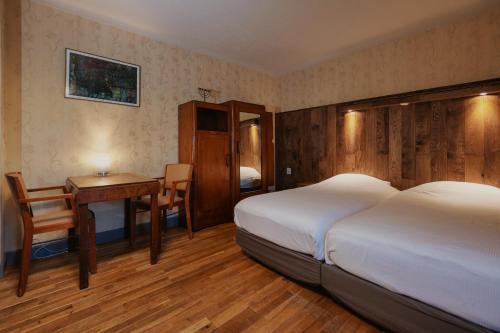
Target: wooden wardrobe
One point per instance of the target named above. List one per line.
(210, 138)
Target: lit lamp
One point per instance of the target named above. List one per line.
(102, 163)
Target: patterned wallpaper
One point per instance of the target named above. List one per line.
(467, 50)
(60, 135)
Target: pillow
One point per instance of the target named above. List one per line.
(460, 192)
(249, 173)
(356, 178)
(359, 184)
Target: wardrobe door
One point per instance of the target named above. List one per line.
(249, 136)
(250, 149)
(213, 179)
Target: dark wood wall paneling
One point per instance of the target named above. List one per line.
(452, 139)
(305, 142)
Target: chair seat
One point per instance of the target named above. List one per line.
(163, 201)
(52, 221)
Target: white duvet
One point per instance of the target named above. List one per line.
(438, 243)
(298, 219)
(249, 177)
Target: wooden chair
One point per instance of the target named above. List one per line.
(47, 222)
(177, 181)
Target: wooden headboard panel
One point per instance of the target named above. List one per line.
(440, 139)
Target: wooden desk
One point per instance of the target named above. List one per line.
(90, 189)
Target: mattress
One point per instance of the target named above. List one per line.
(298, 219)
(249, 177)
(438, 243)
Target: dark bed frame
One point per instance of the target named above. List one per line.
(390, 310)
(296, 265)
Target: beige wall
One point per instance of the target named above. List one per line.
(60, 136)
(465, 51)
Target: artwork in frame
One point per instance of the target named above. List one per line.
(95, 78)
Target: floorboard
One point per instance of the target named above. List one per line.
(200, 285)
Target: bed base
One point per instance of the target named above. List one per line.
(390, 310)
(296, 265)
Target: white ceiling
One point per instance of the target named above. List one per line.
(276, 36)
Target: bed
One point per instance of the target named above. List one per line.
(426, 259)
(286, 230)
(250, 178)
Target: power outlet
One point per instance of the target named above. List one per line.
(288, 171)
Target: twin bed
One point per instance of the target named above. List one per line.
(250, 178)
(426, 259)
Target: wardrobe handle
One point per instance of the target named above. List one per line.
(228, 160)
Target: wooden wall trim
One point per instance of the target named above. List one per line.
(454, 138)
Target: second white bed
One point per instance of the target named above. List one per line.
(298, 219)
(438, 243)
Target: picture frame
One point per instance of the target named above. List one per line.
(101, 79)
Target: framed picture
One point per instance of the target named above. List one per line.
(94, 78)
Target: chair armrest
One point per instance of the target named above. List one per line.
(48, 198)
(173, 190)
(60, 187)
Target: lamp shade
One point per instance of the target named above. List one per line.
(102, 163)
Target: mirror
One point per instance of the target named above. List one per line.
(250, 152)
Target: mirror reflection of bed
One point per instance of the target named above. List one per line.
(250, 149)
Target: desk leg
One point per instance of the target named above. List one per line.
(83, 216)
(155, 229)
(130, 223)
(127, 217)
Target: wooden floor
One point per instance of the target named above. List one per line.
(205, 284)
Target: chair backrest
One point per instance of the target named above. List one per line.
(17, 186)
(19, 191)
(176, 172)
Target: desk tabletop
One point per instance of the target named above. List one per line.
(84, 182)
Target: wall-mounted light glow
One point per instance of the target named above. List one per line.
(102, 163)
(350, 110)
(483, 94)
(352, 123)
(404, 104)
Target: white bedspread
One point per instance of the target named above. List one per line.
(438, 243)
(298, 219)
(249, 177)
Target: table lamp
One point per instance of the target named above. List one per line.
(102, 163)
